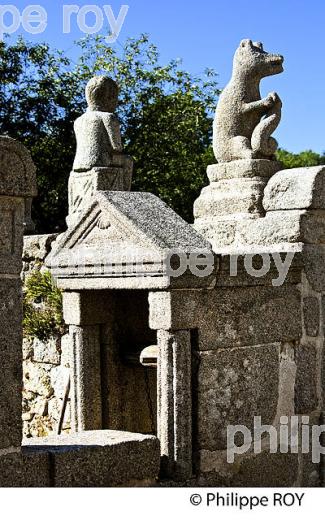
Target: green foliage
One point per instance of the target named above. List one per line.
(43, 316)
(38, 107)
(166, 118)
(165, 115)
(299, 160)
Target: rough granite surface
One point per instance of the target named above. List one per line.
(244, 122)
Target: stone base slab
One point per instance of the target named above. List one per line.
(231, 197)
(276, 228)
(248, 168)
(20, 469)
(100, 458)
(235, 194)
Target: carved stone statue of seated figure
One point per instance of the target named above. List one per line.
(97, 131)
(100, 163)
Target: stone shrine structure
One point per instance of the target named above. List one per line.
(118, 298)
(90, 458)
(164, 355)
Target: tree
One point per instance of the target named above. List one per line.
(38, 106)
(165, 116)
(299, 160)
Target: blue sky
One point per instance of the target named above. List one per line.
(206, 34)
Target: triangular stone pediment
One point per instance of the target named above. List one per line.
(107, 228)
(125, 236)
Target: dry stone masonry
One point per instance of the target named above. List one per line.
(160, 364)
(263, 354)
(45, 361)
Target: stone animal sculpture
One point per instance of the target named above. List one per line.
(244, 122)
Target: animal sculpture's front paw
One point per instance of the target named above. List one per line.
(273, 99)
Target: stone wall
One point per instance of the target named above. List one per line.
(232, 348)
(257, 351)
(240, 349)
(266, 366)
(45, 363)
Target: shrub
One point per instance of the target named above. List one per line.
(43, 316)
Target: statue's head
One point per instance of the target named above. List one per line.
(251, 57)
(102, 94)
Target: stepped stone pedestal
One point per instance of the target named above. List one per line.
(84, 185)
(235, 193)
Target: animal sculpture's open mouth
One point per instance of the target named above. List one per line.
(276, 58)
(277, 62)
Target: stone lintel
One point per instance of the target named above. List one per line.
(174, 310)
(87, 307)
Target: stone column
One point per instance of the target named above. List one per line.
(84, 312)
(11, 228)
(173, 314)
(86, 409)
(175, 403)
(17, 183)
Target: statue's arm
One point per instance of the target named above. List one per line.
(262, 104)
(112, 126)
